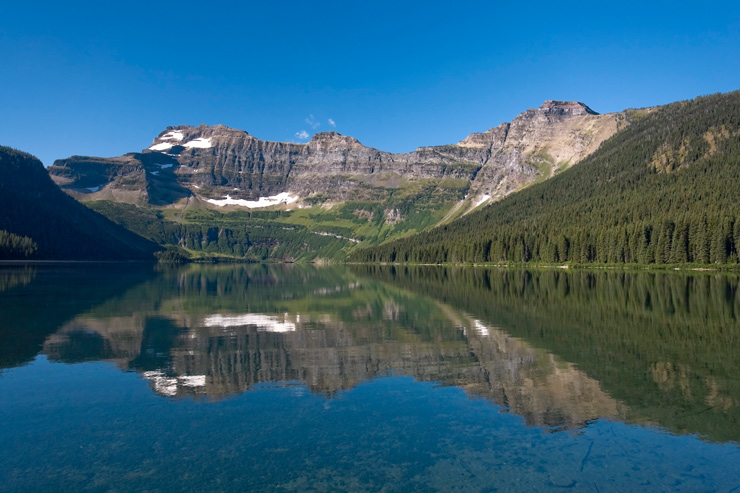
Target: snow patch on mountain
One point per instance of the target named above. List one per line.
(281, 198)
(174, 134)
(483, 199)
(200, 143)
(161, 147)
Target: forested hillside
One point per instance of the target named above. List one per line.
(39, 221)
(665, 190)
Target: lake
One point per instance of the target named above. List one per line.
(367, 378)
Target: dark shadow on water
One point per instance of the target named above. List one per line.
(36, 300)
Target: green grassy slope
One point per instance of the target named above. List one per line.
(311, 233)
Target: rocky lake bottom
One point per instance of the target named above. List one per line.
(363, 378)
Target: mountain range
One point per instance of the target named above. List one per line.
(215, 190)
(560, 183)
(210, 163)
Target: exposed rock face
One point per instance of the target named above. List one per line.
(245, 167)
(571, 108)
(133, 177)
(556, 135)
(215, 161)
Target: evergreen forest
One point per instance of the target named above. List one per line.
(664, 190)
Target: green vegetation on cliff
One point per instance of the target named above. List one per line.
(311, 233)
(662, 191)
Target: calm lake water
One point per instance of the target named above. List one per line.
(252, 377)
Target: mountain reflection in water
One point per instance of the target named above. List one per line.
(560, 349)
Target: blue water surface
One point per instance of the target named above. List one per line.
(91, 427)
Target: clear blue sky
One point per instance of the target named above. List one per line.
(104, 78)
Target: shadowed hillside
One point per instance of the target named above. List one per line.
(39, 221)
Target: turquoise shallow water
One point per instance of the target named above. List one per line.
(248, 378)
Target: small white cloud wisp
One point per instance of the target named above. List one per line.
(331, 122)
(311, 121)
(302, 134)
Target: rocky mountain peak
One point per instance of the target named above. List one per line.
(326, 135)
(333, 140)
(570, 108)
(189, 137)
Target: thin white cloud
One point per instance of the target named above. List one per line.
(312, 122)
(331, 122)
(302, 134)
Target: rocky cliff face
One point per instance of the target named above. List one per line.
(213, 162)
(545, 140)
